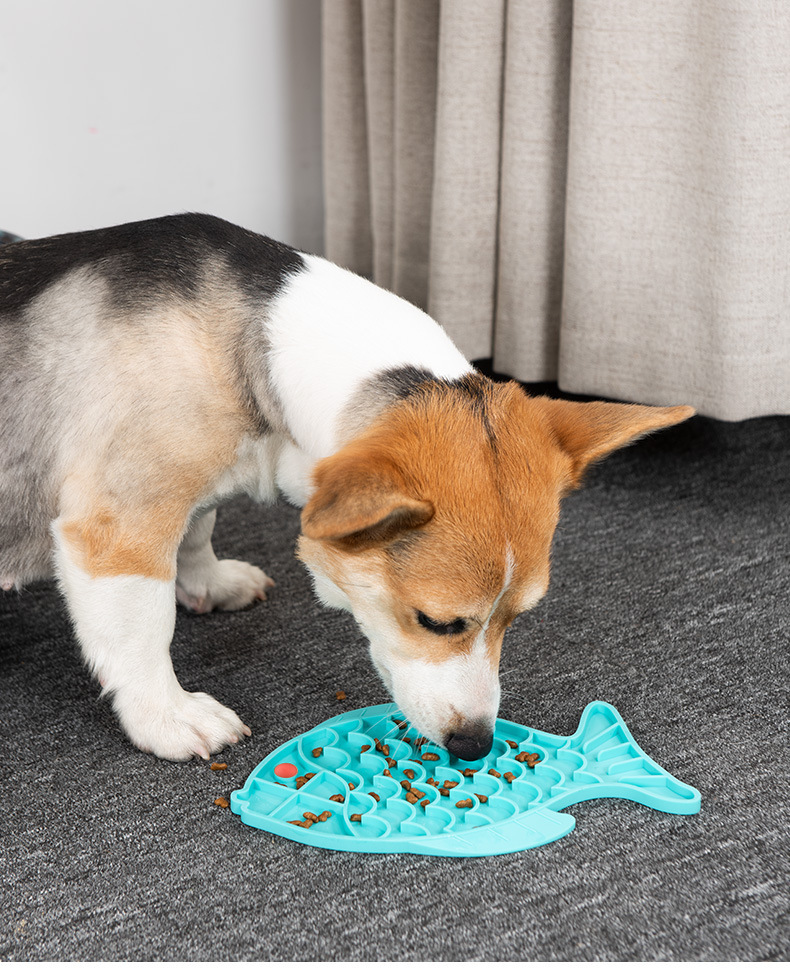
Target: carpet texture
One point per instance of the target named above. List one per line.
(669, 599)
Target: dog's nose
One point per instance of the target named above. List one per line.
(471, 743)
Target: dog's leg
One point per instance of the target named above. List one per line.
(124, 623)
(204, 582)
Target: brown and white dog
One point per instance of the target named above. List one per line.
(152, 370)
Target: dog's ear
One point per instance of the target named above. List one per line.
(586, 431)
(360, 501)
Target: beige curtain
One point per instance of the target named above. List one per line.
(595, 192)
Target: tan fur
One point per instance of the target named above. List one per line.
(586, 431)
(421, 510)
(104, 543)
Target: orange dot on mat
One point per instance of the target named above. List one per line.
(285, 770)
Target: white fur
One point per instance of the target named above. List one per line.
(533, 593)
(433, 695)
(467, 685)
(294, 467)
(330, 330)
(253, 472)
(329, 592)
(125, 624)
(510, 567)
(203, 582)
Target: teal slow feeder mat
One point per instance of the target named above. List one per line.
(366, 781)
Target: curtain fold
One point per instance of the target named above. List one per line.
(533, 176)
(416, 37)
(465, 202)
(347, 229)
(595, 192)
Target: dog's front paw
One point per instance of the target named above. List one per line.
(231, 585)
(188, 725)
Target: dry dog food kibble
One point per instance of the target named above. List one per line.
(217, 766)
(449, 784)
(509, 776)
(355, 817)
(386, 773)
(310, 816)
(483, 799)
(464, 803)
(409, 773)
(337, 798)
(221, 801)
(325, 815)
(513, 745)
(493, 772)
(375, 796)
(424, 803)
(531, 758)
(365, 748)
(340, 696)
(419, 742)
(405, 783)
(317, 752)
(412, 797)
(400, 723)
(301, 780)
(391, 762)
(468, 772)
(302, 823)
(430, 757)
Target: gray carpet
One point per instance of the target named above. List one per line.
(669, 599)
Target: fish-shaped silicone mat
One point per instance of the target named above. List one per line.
(366, 781)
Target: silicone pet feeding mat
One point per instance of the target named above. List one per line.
(367, 781)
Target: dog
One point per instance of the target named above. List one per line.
(152, 370)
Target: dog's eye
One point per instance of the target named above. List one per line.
(442, 629)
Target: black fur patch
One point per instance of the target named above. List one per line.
(409, 382)
(402, 382)
(147, 260)
(478, 389)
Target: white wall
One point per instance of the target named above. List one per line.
(115, 110)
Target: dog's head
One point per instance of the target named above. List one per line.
(434, 528)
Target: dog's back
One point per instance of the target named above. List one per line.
(101, 335)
